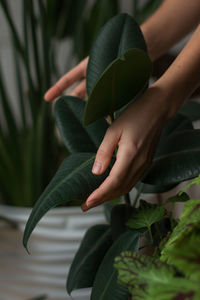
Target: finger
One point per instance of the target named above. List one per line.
(67, 80)
(79, 90)
(115, 183)
(105, 151)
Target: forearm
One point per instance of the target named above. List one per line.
(173, 20)
(183, 76)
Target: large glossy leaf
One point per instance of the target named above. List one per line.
(73, 181)
(120, 83)
(119, 216)
(118, 35)
(105, 284)
(177, 159)
(95, 244)
(191, 110)
(178, 123)
(69, 117)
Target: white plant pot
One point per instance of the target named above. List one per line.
(52, 245)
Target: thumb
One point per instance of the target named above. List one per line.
(105, 151)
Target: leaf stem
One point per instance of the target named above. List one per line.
(112, 117)
(139, 191)
(150, 234)
(127, 199)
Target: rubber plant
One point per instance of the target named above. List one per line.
(118, 72)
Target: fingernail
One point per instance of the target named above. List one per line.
(84, 207)
(96, 168)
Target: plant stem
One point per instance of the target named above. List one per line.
(150, 234)
(158, 231)
(127, 199)
(139, 190)
(112, 118)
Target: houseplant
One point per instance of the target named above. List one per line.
(173, 270)
(93, 264)
(30, 150)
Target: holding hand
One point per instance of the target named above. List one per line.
(71, 77)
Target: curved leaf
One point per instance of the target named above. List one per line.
(177, 159)
(69, 116)
(73, 181)
(123, 79)
(191, 110)
(119, 216)
(105, 284)
(95, 244)
(117, 36)
(178, 123)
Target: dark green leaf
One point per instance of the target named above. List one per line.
(191, 110)
(121, 82)
(178, 198)
(177, 159)
(69, 116)
(146, 215)
(95, 244)
(178, 123)
(119, 216)
(156, 189)
(118, 35)
(105, 284)
(73, 181)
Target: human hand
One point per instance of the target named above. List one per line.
(74, 75)
(135, 133)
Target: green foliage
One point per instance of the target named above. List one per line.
(188, 224)
(148, 278)
(183, 197)
(73, 181)
(96, 242)
(119, 46)
(69, 116)
(119, 70)
(29, 148)
(146, 215)
(105, 284)
(196, 181)
(120, 83)
(191, 110)
(177, 159)
(119, 216)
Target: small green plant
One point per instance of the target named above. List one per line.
(118, 72)
(173, 271)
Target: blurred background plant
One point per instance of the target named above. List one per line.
(29, 148)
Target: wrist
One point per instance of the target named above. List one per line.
(169, 96)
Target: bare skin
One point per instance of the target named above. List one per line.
(138, 128)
